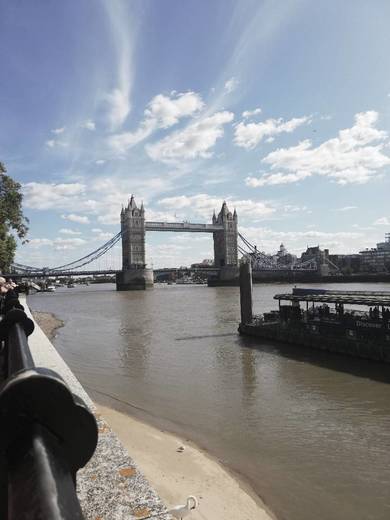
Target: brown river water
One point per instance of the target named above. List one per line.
(309, 430)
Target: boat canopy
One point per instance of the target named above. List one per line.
(370, 298)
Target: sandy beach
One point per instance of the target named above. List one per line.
(177, 468)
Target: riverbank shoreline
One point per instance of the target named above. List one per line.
(48, 322)
(176, 473)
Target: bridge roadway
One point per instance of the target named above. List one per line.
(182, 226)
(45, 274)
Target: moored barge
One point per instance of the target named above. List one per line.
(356, 323)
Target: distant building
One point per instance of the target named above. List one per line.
(377, 259)
(348, 264)
(283, 257)
(321, 256)
(207, 262)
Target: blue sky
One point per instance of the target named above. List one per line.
(279, 108)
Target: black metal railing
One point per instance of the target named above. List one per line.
(46, 433)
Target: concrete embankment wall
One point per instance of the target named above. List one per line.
(110, 487)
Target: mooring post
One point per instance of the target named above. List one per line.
(246, 292)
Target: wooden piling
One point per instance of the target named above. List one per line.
(246, 292)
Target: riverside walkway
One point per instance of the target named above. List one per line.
(109, 487)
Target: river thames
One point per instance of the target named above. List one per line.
(309, 430)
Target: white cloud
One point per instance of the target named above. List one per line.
(167, 111)
(59, 244)
(40, 242)
(97, 230)
(100, 161)
(58, 130)
(88, 124)
(162, 112)
(273, 179)
(383, 221)
(105, 235)
(72, 217)
(354, 156)
(194, 141)
(249, 135)
(346, 208)
(56, 143)
(231, 85)
(292, 208)
(250, 113)
(41, 195)
(66, 231)
(203, 205)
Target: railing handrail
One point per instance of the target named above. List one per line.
(47, 433)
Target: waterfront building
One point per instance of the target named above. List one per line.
(377, 259)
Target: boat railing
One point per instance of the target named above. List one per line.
(47, 434)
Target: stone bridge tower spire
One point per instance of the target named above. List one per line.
(225, 240)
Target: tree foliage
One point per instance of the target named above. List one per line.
(12, 220)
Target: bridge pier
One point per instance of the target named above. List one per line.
(228, 276)
(137, 279)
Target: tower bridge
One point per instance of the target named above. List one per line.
(135, 274)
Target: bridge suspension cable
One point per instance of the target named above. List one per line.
(76, 264)
(87, 259)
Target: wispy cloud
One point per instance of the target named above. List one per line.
(382, 221)
(67, 231)
(273, 179)
(204, 204)
(72, 217)
(88, 124)
(42, 195)
(123, 33)
(56, 143)
(254, 28)
(345, 208)
(59, 244)
(231, 85)
(250, 113)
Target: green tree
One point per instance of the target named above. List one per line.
(12, 220)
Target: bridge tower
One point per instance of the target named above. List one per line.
(134, 274)
(133, 235)
(225, 240)
(225, 247)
